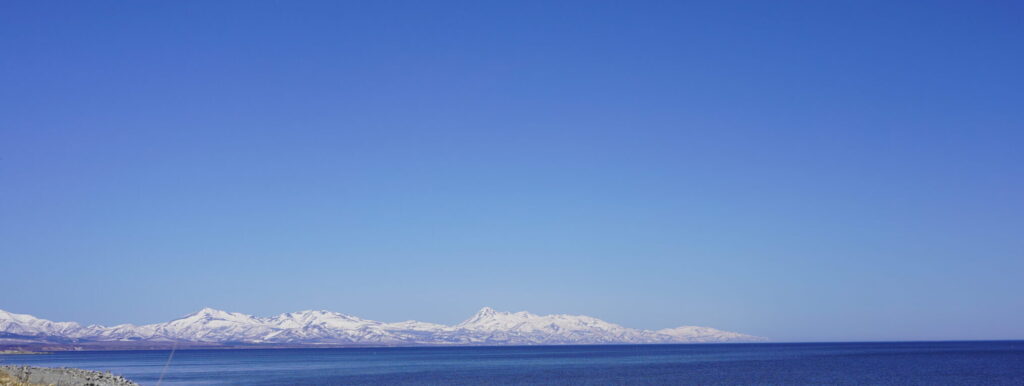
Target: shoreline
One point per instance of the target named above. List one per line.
(23, 352)
(32, 375)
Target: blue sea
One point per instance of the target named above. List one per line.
(893, 363)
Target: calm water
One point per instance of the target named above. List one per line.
(932, 363)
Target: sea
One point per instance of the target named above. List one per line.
(886, 363)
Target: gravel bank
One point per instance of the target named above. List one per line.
(65, 376)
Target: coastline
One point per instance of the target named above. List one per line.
(23, 352)
(31, 375)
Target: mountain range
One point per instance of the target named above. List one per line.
(211, 327)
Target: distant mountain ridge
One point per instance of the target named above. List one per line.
(487, 327)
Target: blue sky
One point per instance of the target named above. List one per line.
(796, 170)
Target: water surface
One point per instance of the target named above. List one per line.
(890, 363)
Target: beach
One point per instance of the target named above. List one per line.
(31, 376)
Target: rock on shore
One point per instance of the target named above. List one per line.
(64, 376)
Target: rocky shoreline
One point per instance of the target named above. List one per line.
(61, 376)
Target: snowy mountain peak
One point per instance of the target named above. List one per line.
(487, 327)
(24, 324)
(208, 312)
(4, 315)
(485, 312)
(321, 319)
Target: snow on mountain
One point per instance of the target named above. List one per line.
(694, 334)
(320, 319)
(415, 326)
(121, 332)
(326, 327)
(492, 326)
(23, 324)
(213, 326)
(486, 327)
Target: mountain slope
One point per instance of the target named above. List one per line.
(486, 327)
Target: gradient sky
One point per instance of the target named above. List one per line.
(818, 170)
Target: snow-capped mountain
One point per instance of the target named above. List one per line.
(523, 327)
(486, 327)
(22, 324)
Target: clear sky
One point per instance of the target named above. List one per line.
(818, 170)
